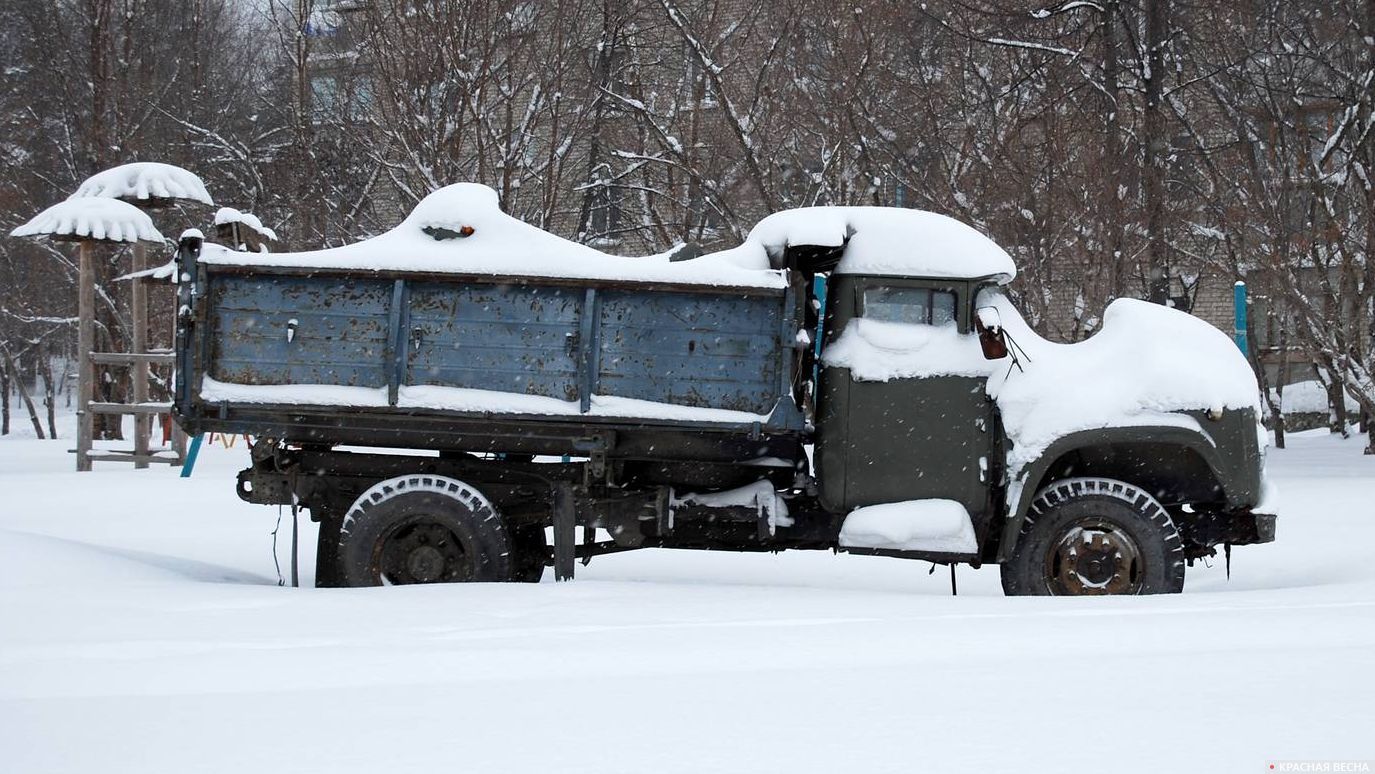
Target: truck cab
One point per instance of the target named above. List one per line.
(926, 435)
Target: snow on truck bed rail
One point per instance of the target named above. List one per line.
(466, 399)
(461, 229)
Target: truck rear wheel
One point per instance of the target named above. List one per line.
(529, 553)
(1095, 536)
(422, 529)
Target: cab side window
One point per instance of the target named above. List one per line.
(914, 306)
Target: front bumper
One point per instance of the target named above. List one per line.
(1203, 531)
(1264, 528)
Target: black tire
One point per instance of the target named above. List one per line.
(422, 528)
(1094, 536)
(529, 553)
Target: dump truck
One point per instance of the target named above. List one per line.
(470, 398)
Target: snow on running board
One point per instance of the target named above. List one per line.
(936, 526)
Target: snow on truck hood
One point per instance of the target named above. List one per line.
(484, 240)
(1147, 363)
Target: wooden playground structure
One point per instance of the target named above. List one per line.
(111, 209)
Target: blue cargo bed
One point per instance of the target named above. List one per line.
(272, 348)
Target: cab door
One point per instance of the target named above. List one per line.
(904, 414)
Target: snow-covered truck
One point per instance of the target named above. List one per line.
(899, 406)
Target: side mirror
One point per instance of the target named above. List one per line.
(992, 340)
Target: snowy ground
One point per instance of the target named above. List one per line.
(142, 630)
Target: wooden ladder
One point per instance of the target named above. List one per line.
(142, 409)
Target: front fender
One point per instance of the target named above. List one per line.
(1228, 447)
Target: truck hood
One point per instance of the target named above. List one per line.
(1145, 365)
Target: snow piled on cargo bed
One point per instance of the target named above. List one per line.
(461, 229)
(879, 240)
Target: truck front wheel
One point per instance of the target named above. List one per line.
(1094, 536)
(422, 529)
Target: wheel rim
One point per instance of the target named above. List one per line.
(422, 550)
(1095, 556)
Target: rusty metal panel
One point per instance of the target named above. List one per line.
(511, 338)
(299, 330)
(692, 349)
(562, 341)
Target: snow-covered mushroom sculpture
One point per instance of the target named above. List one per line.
(92, 220)
(147, 185)
(89, 222)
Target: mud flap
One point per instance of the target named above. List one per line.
(565, 532)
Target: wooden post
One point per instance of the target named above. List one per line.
(85, 340)
(179, 443)
(139, 315)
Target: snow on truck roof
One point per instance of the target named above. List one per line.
(887, 241)
(461, 229)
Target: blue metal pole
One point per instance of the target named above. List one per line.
(190, 462)
(819, 290)
(1239, 307)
